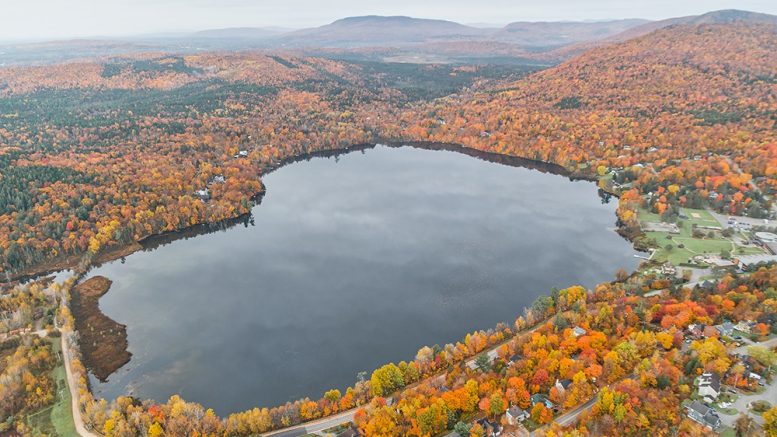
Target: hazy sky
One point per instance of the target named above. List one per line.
(45, 19)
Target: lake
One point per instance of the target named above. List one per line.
(348, 263)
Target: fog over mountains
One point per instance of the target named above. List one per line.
(381, 38)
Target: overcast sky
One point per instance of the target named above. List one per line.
(48, 19)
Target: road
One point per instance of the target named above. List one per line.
(71, 380)
(314, 426)
(71, 384)
(742, 350)
(570, 416)
(744, 400)
(723, 219)
(347, 416)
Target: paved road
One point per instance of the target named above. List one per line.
(315, 426)
(347, 416)
(723, 219)
(742, 350)
(744, 400)
(570, 416)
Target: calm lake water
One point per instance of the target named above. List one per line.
(351, 263)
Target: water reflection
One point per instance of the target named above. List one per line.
(347, 264)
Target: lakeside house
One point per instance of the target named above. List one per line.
(203, 194)
(517, 356)
(703, 414)
(708, 386)
(578, 331)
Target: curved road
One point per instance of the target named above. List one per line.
(71, 384)
(347, 416)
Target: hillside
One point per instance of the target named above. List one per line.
(728, 16)
(98, 155)
(680, 92)
(551, 34)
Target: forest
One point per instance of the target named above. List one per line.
(97, 155)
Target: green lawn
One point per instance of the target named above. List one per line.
(56, 419)
(728, 411)
(692, 246)
(701, 217)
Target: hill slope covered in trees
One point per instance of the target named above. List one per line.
(96, 155)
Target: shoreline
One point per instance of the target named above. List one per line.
(153, 241)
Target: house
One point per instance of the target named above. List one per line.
(539, 398)
(695, 330)
(515, 415)
(744, 326)
(719, 263)
(708, 385)
(218, 179)
(726, 328)
(515, 358)
(578, 331)
(492, 429)
(703, 414)
(668, 269)
(242, 154)
(562, 385)
(203, 194)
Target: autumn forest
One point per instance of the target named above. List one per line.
(105, 156)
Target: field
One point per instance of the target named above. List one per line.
(56, 419)
(668, 244)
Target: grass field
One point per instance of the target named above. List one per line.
(692, 246)
(56, 419)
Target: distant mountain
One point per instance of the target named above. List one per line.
(715, 17)
(241, 33)
(547, 34)
(728, 16)
(380, 31)
(398, 31)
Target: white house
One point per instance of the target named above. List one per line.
(578, 331)
(709, 385)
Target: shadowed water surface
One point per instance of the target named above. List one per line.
(351, 262)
